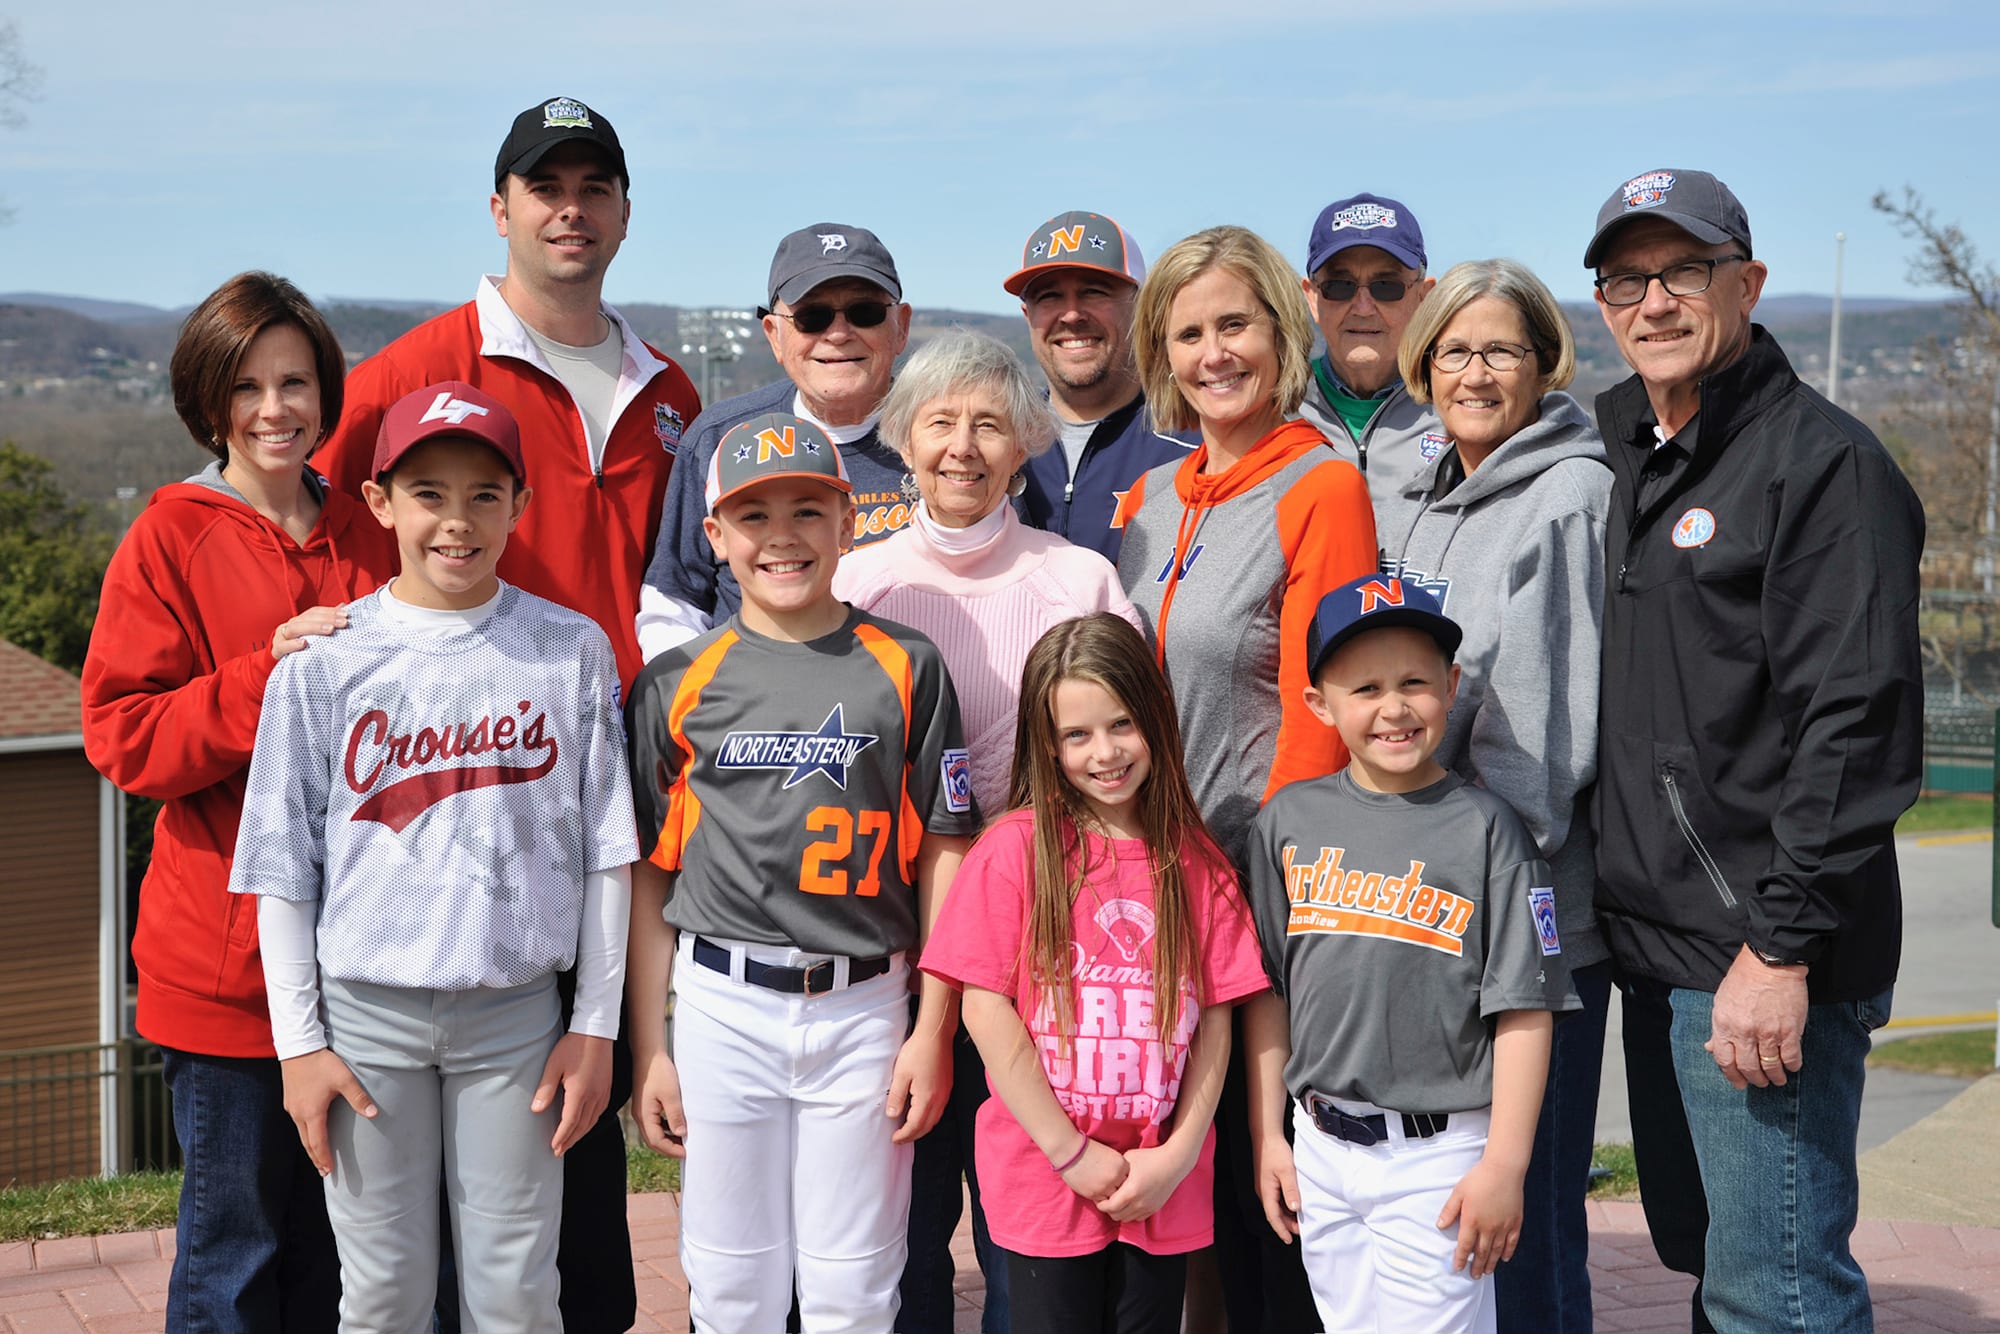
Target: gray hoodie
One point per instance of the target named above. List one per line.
(1515, 552)
(1399, 440)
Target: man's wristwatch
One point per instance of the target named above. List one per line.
(1774, 960)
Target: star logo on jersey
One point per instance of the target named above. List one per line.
(829, 750)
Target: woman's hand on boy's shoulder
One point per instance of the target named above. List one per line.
(312, 1082)
(292, 632)
(580, 1067)
(656, 1103)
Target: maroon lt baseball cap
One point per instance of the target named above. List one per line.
(448, 408)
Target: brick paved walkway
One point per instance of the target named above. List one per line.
(1926, 1277)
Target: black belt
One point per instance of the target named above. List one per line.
(1370, 1129)
(812, 980)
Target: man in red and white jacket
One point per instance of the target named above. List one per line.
(601, 416)
(601, 412)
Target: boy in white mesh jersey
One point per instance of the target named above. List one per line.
(438, 820)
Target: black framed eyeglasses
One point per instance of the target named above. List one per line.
(817, 317)
(1690, 277)
(1455, 357)
(1386, 291)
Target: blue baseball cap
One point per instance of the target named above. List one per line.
(1375, 602)
(1365, 220)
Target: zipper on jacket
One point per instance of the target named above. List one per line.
(1708, 863)
(597, 474)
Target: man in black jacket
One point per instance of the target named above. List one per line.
(1761, 730)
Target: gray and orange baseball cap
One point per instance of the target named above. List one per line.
(559, 120)
(448, 408)
(1366, 219)
(1375, 602)
(1079, 240)
(1693, 201)
(774, 445)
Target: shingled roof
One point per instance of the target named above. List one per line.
(36, 698)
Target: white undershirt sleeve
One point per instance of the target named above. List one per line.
(665, 622)
(287, 935)
(600, 952)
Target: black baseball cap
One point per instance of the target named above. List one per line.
(1375, 602)
(1693, 201)
(560, 120)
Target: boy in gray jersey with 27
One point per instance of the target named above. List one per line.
(1408, 926)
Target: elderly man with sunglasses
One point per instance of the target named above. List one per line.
(1761, 726)
(1364, 280)
(836, 323)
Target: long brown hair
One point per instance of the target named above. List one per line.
(1106, 651)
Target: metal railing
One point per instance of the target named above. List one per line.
(94, 1109)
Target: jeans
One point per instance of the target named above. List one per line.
(1778, 1166)
(1545, 1288)
(253, 1251)
(928, 1301)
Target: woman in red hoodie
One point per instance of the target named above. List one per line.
(219, 577)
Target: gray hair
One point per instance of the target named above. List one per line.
(962, 360)
(1507, 280)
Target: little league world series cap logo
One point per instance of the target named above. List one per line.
(1647, 190)
(566, 113)
(1362, 218)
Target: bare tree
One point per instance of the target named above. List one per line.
(1958, 415)
(20, 84)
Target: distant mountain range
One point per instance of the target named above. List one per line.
(1793, 306)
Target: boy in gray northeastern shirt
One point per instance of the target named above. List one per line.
(1410, 933)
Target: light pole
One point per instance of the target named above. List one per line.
(1833, 349)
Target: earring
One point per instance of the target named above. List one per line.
(1017, 485)
(911, 495)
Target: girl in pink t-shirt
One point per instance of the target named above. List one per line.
(1100, 939)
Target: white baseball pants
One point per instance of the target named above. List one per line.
(789, 1159)
(1368, 1229)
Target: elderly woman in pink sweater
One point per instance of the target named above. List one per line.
(983, 586)
(967, 572)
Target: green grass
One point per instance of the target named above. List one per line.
(1966, 1053)
(1941, 814)
(89, 1206)
(145, 1200)
(1623, 1183)
(648, 1173)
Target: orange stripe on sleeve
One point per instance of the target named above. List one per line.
(1326, 528)
(895, 664)
(683, 806)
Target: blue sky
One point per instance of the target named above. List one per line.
(350, 146)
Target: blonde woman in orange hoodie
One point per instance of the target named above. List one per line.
(219, 577)
(1226, 554)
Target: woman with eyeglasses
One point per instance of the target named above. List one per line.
(1227, 554)
(1506, 527)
